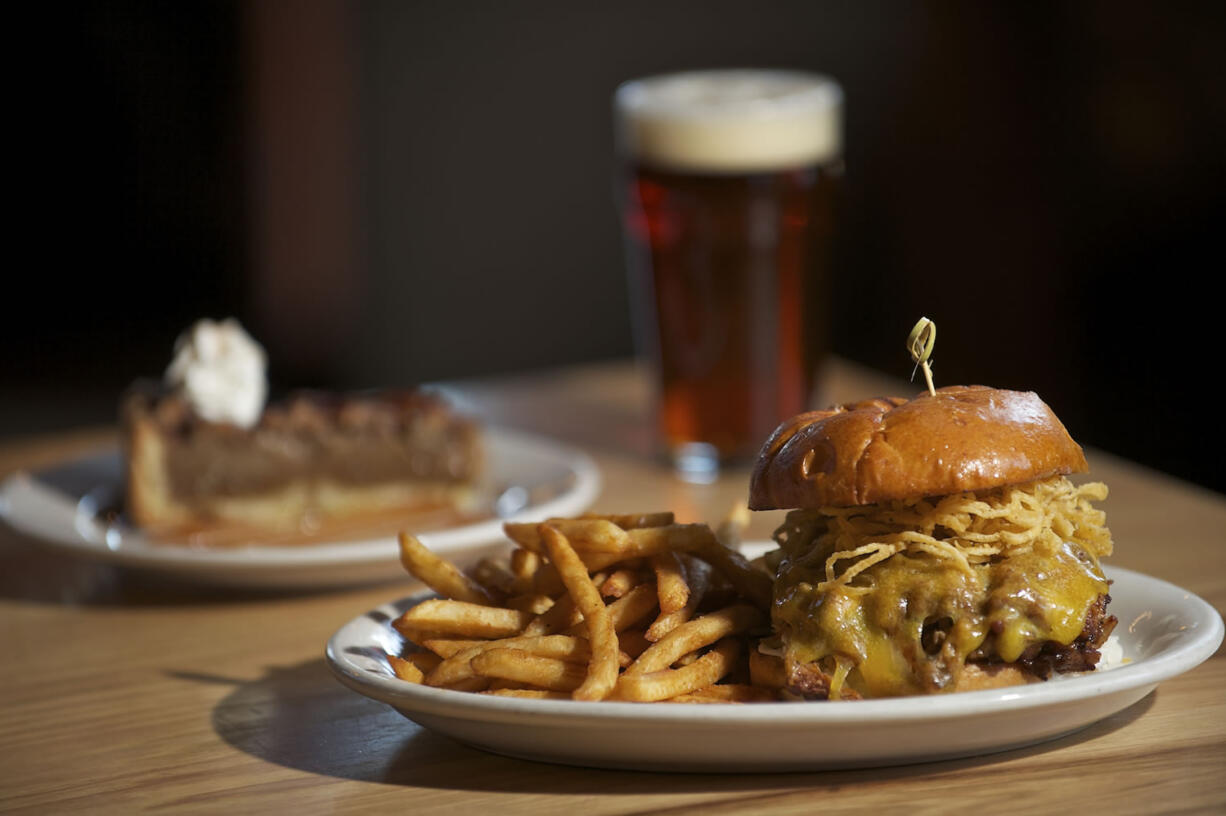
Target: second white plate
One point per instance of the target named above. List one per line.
(526, 477)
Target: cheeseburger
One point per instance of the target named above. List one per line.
(933, 544)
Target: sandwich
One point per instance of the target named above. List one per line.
(934, 544)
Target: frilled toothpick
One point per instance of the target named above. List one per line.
(920, 342)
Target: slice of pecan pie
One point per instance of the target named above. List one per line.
(204, 451)
(310, 459)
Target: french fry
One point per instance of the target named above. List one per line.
(729, 693)
(405, 669)
(591, 531)
(459, 666)
(695, 634)
(424, 661)
(534, 603)
(563, 615)
(531, 694)
(524, 564)
(619, 583)
(444, 648)
(698, 575)
(557, 618)
(498, 684)
(537, 625)
(596, 561)
(598, 534)
(419, 636)
(669, 683)
(601, 674)
(441, 576)
(469, 682)
(461, 618)
(649, 541)
(543, 672)
(630, 521)
(627, 610)
(632, 607)
(671, 586)
(766, 670)
(525, 534)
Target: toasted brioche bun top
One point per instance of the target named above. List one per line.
(965, 438)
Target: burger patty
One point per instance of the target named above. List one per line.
(1044, 659)
(807, 680)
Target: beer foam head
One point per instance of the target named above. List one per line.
(730, 121)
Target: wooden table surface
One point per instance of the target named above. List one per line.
(125, 692)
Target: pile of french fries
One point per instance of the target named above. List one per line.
(610, 607)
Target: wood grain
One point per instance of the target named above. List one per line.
(124, 692)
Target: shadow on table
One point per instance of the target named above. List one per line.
(301, 717)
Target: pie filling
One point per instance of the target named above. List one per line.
(312, 457)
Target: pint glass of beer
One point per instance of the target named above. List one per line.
(727, 186)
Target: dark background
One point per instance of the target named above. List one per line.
(391, 192)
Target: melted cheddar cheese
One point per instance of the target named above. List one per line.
(973, 577)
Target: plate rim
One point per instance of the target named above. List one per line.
(588, 483)
(1169, 662)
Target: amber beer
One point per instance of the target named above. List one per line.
(729, 179)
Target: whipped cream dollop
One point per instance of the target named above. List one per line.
(221, 372)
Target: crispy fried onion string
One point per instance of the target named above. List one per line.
(968, 529)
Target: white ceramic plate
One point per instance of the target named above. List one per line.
(1163, 631)
(527, 477)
